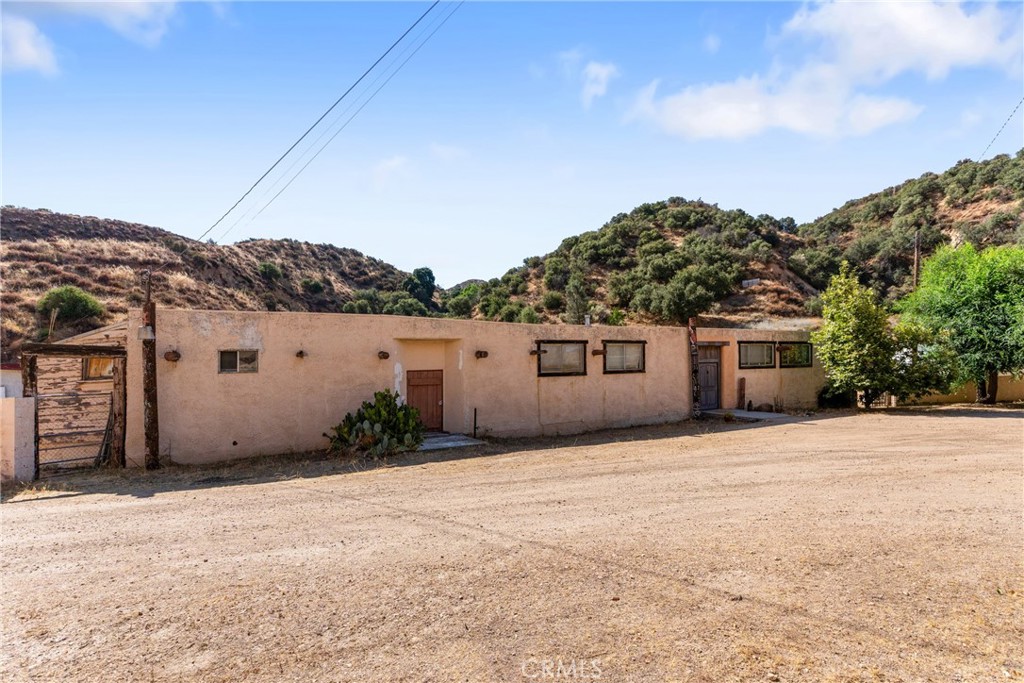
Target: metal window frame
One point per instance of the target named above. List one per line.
(237, 370)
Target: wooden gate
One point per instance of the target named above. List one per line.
(76, 428)
(426, 394)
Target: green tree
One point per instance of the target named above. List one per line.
(854, 343)
(71, 304)
(977, 300)
(861, 351)
(421, 285)
(577, 303)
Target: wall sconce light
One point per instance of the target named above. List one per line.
(172, 356)
(383, 355)
(300, 354)
(537, 352)
(481, 354)
(597, 352)
(146, 333)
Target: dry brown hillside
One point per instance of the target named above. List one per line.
(40, 249)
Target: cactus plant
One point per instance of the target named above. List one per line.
(378, 429)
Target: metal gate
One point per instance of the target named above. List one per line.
(74, 431)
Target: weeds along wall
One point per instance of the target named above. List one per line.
(313, 368)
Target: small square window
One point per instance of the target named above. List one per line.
(97, 368)
(562, 358)
(624, 356)
(795, 355)
(757, 355)
(239, 361)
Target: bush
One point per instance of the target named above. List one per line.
(312, 286)
(528, 315)
(554, 301)
(71, 303)
(378, 429)
(556, 273)
(460, 307)
(269, 271)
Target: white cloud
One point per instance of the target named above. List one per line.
(140, 21)
(712, 43)
(880, 40)
(863, 45)
(25, 48)
(447, 153)
(569, 62)
(387, 170)
(596, 76)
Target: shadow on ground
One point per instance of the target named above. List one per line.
(142, 484)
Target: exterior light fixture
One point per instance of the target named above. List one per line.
(383, 355)
(146, 333)
(300, 354)
(172, 356)
(481, 354)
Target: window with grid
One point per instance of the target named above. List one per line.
(795, 355)
(757, 355)
(624, 356)
(562, 358)
(239, 361)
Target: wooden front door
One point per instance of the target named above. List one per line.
(426, 394)
(708, 358)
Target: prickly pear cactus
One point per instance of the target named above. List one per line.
(378, 429)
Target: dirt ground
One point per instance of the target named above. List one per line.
(839, 547)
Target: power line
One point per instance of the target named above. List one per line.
(1001, 128)
(322, 117)
(327, 130)
(345, 125)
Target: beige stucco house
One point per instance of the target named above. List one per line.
(759, 369)
(237, 384)
(252, 383)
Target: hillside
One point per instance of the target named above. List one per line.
(981, 203)
(40, 249)
(660, 263)
(666, 261)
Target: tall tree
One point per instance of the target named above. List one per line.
(421, 286)
(854, 344)
(977, 300)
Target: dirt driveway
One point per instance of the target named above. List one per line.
(882, 547)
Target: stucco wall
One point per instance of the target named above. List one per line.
(786, 388)
(1010, 389)
(17, 438)
(206, 416)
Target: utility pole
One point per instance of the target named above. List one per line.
(151, 419)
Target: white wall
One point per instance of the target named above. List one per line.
(17, 438)
(10, 382)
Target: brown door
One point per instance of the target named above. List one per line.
(427, 395)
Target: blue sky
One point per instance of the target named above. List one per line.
(514, 126)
